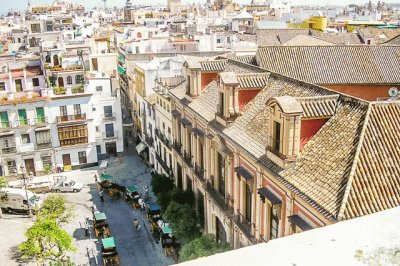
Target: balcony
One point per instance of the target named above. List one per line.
(108, 116)
(188, 158)
(163, 138)
(66, 91)
(163, 164)
(245, 226)
(5, 124)
(149, 140)
(221, 201)
(177, 148)
(199, 171)
(70, 118)
(45, 145)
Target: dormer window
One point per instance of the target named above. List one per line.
(228, 104)
(284, 129)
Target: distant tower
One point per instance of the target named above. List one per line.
(370, 6)
(174, 6)
(128, 11)
(105, 4)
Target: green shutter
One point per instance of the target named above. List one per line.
(4, 119)
(40, 114)
(22, 117)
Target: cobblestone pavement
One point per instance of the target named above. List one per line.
(134, 247)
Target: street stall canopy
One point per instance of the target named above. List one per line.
(100, 216)
(132, 189)
(105, 176)
(108, 242)
(141, 147)
(154, 207)
(166, 229)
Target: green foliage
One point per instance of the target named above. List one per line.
(55, 207)
(3, 182)
(52, 80)
(201, 247)
(161, 183)
(47, 169)
(46, 241)
(182, 197)
(183, 221)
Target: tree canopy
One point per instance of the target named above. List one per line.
(55, 207)
(201, 247)
(161, 183)
(183, 221)
(46, 241)
(3, 182)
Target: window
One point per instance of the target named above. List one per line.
(218, 40)
(22, 117)
(72, 135)
(82, 157)
(69, 80)
(274, 223)
(2, 86)
(35, 28)
(48, 59)
(4, 119)
(221, 174)
(25, 138)
(78, 79)
(18, 85)
(108, 111)
(63, 110)
(277, 136)
(43, 137)
(137, 49)
(221, 104)
(46, 160)
(248, 195)
(99, 88)
(98, 149)
(94, 64)
(77, 109)
(189, 186)
(49, 25)
(11, 166)
(35, 82)
(109, 130)
(97, 129)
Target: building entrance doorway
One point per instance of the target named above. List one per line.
(30, 167)
(111, 149)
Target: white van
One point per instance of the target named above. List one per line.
(14, 199)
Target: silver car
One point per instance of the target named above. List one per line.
(68, 186)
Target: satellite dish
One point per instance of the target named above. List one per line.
(393, 92)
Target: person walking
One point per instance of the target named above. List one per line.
(136, 224)
(101, 193)
(95, 178)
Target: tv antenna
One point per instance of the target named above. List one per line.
(393, 92)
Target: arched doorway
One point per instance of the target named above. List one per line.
(55, 60)
(60, 82)
(219, 231)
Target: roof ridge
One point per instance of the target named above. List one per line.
(354, 165)
(318, 97)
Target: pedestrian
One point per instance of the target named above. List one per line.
(86, 229)
(136, 224)
(95, 178)
(101, 195)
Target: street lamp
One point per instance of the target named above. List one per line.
(25, 178)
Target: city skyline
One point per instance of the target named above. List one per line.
(20, 5)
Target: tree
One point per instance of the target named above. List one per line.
(46, 241)
(182, 197)
(161, 183)
(55, 207)
(184, 221)
(3, 184)
(201, 247)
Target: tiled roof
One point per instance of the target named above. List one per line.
(179, 91)
(321, 106)
(334, 64)
(213, 65)
(206, 104)
(252, 81)
(380, 35)
(374, 183)
(305, 40)
(239, 67)
(151, 99)
(248, 59)
(278, 36)
(393, 41)
(338, 38)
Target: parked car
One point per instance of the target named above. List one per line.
(68, 186)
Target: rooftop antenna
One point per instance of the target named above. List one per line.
(393, 92)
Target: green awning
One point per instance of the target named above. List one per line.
(121, 70)
(105, 176)
(132, 189)
(121, 58)
(108, 242)
(100, 216)
(166, 229)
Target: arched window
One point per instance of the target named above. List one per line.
(78, 79)
(48, 58)
(139, 35)
(69, 80)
